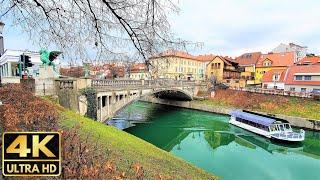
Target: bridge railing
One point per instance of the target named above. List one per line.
(115, 83)
(157, 83)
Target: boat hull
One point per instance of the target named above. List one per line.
(250, 128)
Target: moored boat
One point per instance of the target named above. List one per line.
(267, 126)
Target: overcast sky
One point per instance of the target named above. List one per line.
(232, 27)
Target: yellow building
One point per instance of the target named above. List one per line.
(247, 65)
(276, 61)
(179, 65)
(223, 69)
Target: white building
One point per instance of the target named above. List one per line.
(9, 70)
(303, 78)
(300, 51)
(274, 79)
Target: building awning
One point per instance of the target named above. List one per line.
(252, 117)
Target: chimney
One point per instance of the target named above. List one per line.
(1, 39)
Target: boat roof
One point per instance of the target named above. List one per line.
(253, 117)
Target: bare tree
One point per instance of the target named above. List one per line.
(107, 27)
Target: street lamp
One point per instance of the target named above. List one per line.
(1, 27)
(1, 38)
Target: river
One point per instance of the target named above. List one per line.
(209, 142)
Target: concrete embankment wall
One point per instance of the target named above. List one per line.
(294, 121)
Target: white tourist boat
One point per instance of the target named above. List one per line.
(267, 126)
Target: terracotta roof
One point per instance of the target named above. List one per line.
(268, 76)
(277, 59)
(227, 60)
(310, 60)
(315, 68)
(248, 58)
(206, 57)
(138, 67)
(182, 54)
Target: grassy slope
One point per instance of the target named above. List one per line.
(294, 107)
(125, 147)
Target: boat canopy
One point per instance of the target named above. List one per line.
(252, 117)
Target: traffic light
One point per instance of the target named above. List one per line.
(26, 60)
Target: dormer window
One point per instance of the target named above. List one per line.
(298, 78)
(267, 63)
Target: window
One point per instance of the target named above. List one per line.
(307, 78)
(267, 63)
(303, 89)
(276, 77)
(265, 86)
(298, 78)
(292, 89)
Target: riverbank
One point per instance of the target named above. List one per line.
(203, 106)
(268, 103)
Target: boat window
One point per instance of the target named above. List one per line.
(287, 126)
(282, 127)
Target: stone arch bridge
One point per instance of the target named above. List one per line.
(113, 95)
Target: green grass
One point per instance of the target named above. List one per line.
(297, 107)
(126, 148)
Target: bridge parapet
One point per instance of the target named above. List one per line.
(149, 83)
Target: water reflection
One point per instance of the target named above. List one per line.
(210, 142)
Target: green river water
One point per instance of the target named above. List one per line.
(209, 142)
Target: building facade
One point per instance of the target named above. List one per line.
(272, 61)
(303, 78)
(299, 51)
(224, 70)
(139, 71)
(247, 65)
(9, 70)
(179, 65)
(274, 79)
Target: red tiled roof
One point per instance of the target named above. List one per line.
(206, 57)
(310, 60)
(315, 68)
(268, 76)
(227, 60)
(248, 58)
(138, 67)
(181, 54)
(277, 59)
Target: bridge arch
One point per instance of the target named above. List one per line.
(173, 94)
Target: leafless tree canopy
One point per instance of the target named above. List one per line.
(109, 27)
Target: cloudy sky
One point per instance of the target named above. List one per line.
(232, 27)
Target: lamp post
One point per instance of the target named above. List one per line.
(1, 38)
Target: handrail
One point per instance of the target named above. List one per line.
(119, 83)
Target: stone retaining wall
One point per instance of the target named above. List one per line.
(294, 121)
